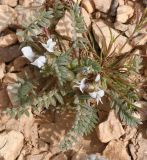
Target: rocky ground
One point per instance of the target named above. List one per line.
(37, 137)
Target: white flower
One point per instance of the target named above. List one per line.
(39, 62)
(97, 78)
(50, 45)
(81, 85)
(28, 53)
(97, 95)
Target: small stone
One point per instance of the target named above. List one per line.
(86, 17)
(8, 16)
(2, 70)
(8, 40)
(100, 27)
(116, 150)
(4, 99)
(11, 3)
(88, 5)
(10, 53)
(103, 5)
(12, 146)
(97, 15)
(141, 113)
(139, 40)
(61, 156)
(110, 129)
(124, 12)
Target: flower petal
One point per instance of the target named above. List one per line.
(97, 78)
(101, 93)
(93, 95)
(50, 45)
(28, 53)
(39, 62)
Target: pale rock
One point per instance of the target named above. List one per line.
(116, 150)
(36, 157)
(139, 40)
(77, 1)
(10, 78)
(8, 16)
(24, 14)
(11, 3)
(127, 29)
(129, 133)
(13, 143)
(121, 2)
(8, 40)
(2, 127)
(88, 5)
(99, 27)
(64, 27)
(24, 125)
(61, 156)
(2, 70)
(110, 129)
(124, 13)
(86, 17)
(141, 113)
(103, 5)
(80, 156)
(34, 3)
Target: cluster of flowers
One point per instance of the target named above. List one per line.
(97, 95)
(39, 61)
(35, 60)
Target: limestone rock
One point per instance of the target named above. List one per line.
(8, 40)
(7, 16)
(88, 5)
(105, 29)
(103, 5)
(124, 12)
(86, 17)
(64, 27)
(110, 129)
(116, 150)
(11, 3)
(13, 143)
